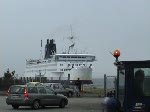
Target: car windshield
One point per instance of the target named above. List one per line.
(49, 91)
(17, 90)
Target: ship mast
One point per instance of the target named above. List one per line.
(41, 56)
(71, 38)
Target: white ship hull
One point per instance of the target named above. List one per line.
(83, 73)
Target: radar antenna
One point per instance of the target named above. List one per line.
(71, 38)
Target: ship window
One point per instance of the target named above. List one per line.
(64, 56)
(68, 56)
(76, 64)
(79, 57)
(80, 64)
(84, 64)
(61, 69)
(73, 57)
(68, 64)
(61, 64)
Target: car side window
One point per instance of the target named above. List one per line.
(49, 91)
(60, 86)
(42, 90)
(50, 85)
(55, 86)
(32, 90)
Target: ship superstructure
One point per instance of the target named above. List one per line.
(63, 66)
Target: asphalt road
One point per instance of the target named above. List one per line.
(81, 104)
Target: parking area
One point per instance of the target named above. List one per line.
(76, 104)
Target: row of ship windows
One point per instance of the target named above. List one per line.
(42, 66)
(72, 57)
(41, 70)
(48, 70)
(65, 69)
(75, 64)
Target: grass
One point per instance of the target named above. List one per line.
(94, 90)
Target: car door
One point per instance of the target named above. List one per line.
(58, 88)
(33, 93)
(52, 98)
(42, 95)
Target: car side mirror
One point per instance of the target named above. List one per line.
(55, 93)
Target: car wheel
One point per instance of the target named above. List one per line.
(69, 94)
(36, 104)
(15, 106)
(43, 107)
(62, 104)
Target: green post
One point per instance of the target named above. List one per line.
(105, 84)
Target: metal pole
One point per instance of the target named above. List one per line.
(105, 82)
(40, 77)
(117, 91)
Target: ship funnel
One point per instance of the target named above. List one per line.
(51, 41)
(50, 48)
(47, 41)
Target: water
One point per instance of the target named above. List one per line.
(99, 82)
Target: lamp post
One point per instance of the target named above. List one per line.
(105, 85)
(40, 75)
(116, 55)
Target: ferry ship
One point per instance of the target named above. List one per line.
(63, 66)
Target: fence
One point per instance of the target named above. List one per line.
(5, 83)
(96, 88)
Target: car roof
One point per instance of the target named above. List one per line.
(20, 85)
(51, 83)
(34, 82)
(28, 85)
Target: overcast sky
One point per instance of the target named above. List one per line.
(101, 26)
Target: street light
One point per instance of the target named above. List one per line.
(116, 55)
(40, 75)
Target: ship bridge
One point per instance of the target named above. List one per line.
(75, 57)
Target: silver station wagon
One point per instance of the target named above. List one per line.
(60, 88)
(34, 96)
